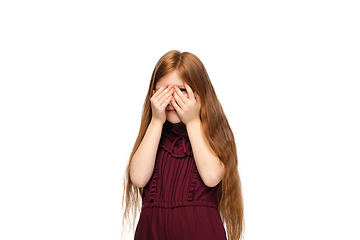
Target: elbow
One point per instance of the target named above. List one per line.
(212, 180)
(211, 183)
(138, 180)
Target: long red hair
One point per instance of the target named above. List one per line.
(217, 131)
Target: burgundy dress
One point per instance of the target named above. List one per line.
(176, 204)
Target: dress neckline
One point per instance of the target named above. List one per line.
(177, 132)
(171, 127)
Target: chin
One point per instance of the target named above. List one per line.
(173, 119)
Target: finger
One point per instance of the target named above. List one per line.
(178, 100)
(166, 96)
(166, 101)
(163, 93)
(175, 105)
(189, 91)
(160, 90)
(180, 94)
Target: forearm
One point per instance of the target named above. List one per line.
(209, 166)
(143, 161)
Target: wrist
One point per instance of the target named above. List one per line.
(193, 123)
(156, 122)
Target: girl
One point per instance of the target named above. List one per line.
(184, 162)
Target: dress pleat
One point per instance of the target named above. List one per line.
(176, 204)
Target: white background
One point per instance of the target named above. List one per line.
(74, 75)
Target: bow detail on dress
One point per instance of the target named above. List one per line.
(170, 141)
(183, 142)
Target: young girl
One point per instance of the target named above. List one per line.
(184, 162)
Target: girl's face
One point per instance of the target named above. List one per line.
(174, 79)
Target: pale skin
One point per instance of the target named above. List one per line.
(187, 106)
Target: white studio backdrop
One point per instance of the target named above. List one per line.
(74, 75)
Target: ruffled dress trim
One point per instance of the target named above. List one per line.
(153, 183)
(170, 137)
(192, 186)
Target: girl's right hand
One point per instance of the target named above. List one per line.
(159, 100)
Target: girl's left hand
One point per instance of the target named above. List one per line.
(188, 109)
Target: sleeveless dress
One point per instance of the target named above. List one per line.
(176, 204)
